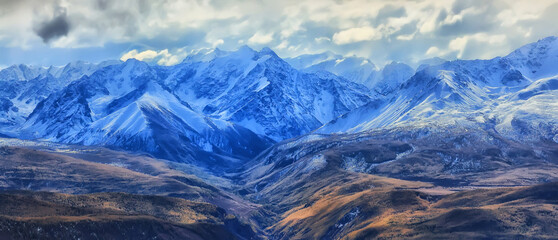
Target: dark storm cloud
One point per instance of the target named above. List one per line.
(53, 28)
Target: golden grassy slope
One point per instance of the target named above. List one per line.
(389, 213)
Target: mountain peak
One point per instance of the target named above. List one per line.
(267, 51)
(245, 48)
(536, 60)
(542, 46)
(132, 61)
(397, 66)
(549, 39)
(203, 55)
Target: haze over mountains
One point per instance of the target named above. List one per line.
(286, 137)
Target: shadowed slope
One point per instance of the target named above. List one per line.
(34, 215)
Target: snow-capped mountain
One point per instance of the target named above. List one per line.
(391, 76)
(229, 103)
(307, 60)
(203, 55)
(355, 69)
(422, 64)
(236, 103)
(124, 106)
(510, 94)
(22, 87)
(260, 91)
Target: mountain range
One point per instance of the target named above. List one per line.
(319, 146)
(215, 99)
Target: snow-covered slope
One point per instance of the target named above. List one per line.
(511, 94)
(22, 87)
(203, 55)
(260, 91)
(152, 119)
(124, 106)
(430, 62)
(391, 76)
(355, 69)
(308, 60)
(536, 60)
(235, 103)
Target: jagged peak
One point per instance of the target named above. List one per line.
(76, 63)
(132, 61)
(544, 44)
(245, 48)
(397, 66)
(134, 64)
(267, 51)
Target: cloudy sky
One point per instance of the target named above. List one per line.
(54, 32)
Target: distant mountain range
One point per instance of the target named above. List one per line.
(219, 105)
(320, 146)
(513, 95)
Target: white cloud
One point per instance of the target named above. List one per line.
(459, 44)
(407, 37)
(322, 39)
(163, 57)
(457, 47)
(388, 30)
(167, 59)
(260, 38)
(353, 35)
(218, 42)
(433, 51)
(145, 55)
(282, 45)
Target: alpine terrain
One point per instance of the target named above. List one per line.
(244, 144)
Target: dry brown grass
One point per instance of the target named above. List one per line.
(502, 213)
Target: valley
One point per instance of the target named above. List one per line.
(247, 145)
(94, 188)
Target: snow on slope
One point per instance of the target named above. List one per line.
(354, 69)
(125, 106)
(421, 97)
(232, 102)
(307, 60)
(22, 87)
(391, 76)
(263, 93)
(430, 62)
(530, 113)
(501, 93)
(536, 60)
(156, 113)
